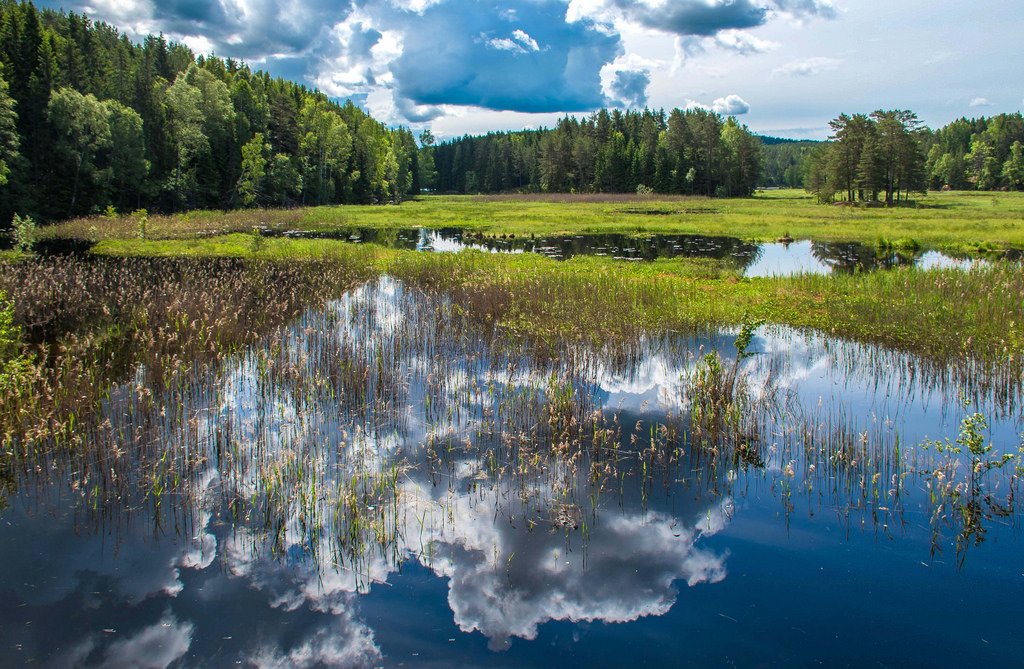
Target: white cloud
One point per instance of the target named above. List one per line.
(519, 42)
(980, 102)
(415, 6)
(735, 41)
(731, 105)
(524, 39)
(743, 42)
(308, 41)
(199, 44)
(806, 67)
(155, 647)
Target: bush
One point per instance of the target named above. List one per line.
(24, 231)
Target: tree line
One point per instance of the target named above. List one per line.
(785, 162)
(886, 155)
(90, 120)
(982, 153)
(693, 151)
(875, 157)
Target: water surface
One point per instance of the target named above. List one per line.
(752, 258)
(386, 482)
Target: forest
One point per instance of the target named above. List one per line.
(692, 151)
(887, 155)
(91, 120)
(784, 161)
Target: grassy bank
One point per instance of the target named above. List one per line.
(965, 222)
(942, 315)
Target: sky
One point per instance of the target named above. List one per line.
(783, 67)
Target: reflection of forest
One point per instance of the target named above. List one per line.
(611, 245)
(853, 256)
(845, 257)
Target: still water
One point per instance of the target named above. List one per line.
(386, 483)
(753, 259)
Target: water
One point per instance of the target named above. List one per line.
(386, 483)
(753, 259)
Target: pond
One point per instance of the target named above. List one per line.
(753, 259)
(386, 481)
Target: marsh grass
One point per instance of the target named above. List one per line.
(88, 323)
(973, 223)
(179, 387)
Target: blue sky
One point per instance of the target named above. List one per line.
(784, 67)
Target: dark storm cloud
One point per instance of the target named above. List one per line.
(696, 17)
(707, 18)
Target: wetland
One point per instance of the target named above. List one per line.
(273, 450)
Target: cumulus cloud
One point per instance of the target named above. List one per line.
(980, 102)
(418, 60)
(807, 67)
(629, 87)
(515, 74)
(731, 105)
(519, 42)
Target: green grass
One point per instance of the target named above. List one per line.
(942, 315)
(965, 222)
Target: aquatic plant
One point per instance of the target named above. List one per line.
(965, 501)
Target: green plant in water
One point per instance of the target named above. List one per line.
(746, 335)
(967, 503)
(14, 365)
(715, 395)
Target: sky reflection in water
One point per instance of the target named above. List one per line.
(715, 564)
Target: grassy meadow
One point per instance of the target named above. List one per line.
(943, 315)
(960, 222)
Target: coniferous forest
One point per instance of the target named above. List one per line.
(693, 151)
(89, 119)
(887, 155)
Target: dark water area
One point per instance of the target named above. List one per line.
(753, 259)
(385, 482)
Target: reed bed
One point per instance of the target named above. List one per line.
(355, 426)
(89, 324)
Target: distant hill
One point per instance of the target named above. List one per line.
(772, 141)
